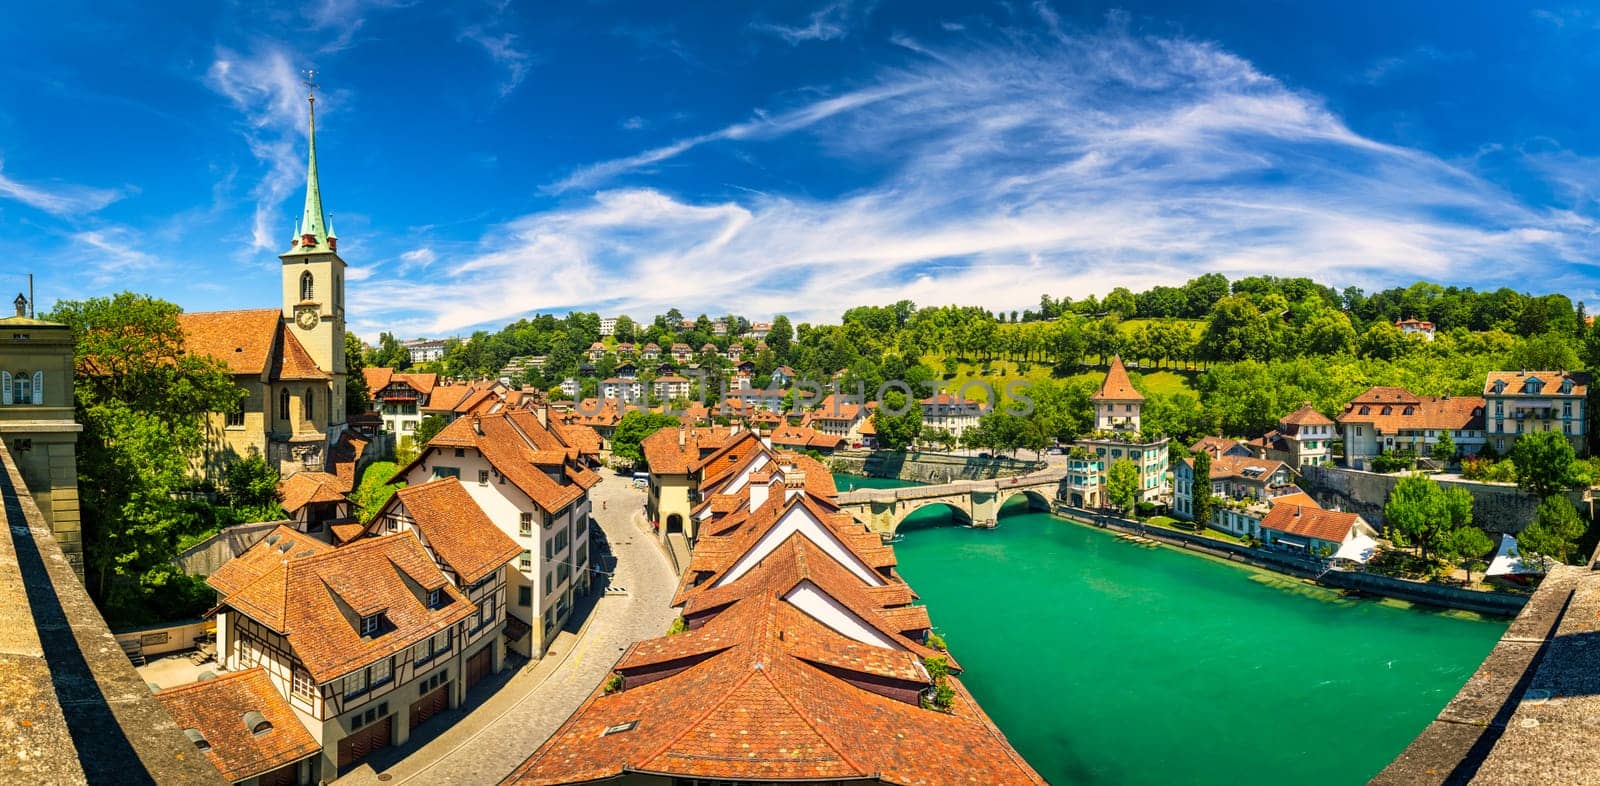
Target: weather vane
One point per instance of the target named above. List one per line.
(311, 85)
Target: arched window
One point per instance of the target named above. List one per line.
(283, 404)
(306, 288)
(307, 411)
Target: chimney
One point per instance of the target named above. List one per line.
(683, 437)
(795, 485)
(543, 414)
(1297, 511)
(477, 425)
(758, 494)
(22, 305)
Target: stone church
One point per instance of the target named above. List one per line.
(290, 360)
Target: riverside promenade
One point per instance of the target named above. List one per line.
(483, 745)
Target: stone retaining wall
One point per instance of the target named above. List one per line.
(1496, 507)
(203, 558)
(928, 467)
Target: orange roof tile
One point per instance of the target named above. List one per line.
(1117, 386)
(1551, 380)
(242, 340)
(1390, 410)
(303, 599)
(216, 708)
(265, 555)
(1306, 415)
(1310, 521)
(455, 528)
(304, 488)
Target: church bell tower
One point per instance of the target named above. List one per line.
(313, 279)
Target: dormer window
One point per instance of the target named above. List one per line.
(197, 738)
(1499, 386)
(369, 624)
(434, 597)
(1566, 386)
(1533, 385)
(257, 723)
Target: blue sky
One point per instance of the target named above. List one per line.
(483, 161)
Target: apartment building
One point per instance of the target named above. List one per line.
(1523, 402)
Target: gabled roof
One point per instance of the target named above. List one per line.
(305, 488)
(1217, 446)
(516, 444)
(264, 556)
(295, 362)
(804, 437)
(455, 528)
(1117, 386)
(716, 559)
(767, 701)
(217, 708)
(315, 601)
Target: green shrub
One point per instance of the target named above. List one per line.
(935, 641)
(677, 626)
(614, 684)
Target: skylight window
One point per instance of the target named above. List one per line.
(620, 728)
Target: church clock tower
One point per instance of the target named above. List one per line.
(313, 283)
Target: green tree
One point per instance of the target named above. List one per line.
(1467, 547)
(1418, 510)
(633, 428)
(1555, 529)
(250, 482)
(1544, 462)
(1445, 448)
(897, 431)
(427, 430)
(375, 489)
(1122, 484)
(357, 399)
(143, 401)
(1202, 499)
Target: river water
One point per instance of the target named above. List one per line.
(1107, 662)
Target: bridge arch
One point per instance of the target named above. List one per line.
(1036, 500)
(957, 512)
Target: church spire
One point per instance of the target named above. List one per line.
(313, 234)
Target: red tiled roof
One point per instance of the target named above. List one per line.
(295, 362)
(1515, 380)
(1306, 415)
(304, 488)
(455, 528)
(303, 599)
(1390, 410)
(804, 437)
(1310, 522)
(774, 705)
(216, 708)
(513, 442)
(265, 555)
(242, 340)
(1117, 386)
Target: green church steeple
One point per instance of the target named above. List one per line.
(313, 233)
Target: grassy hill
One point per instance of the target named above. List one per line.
(1001, 372)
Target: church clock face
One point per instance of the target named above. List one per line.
(306, 318)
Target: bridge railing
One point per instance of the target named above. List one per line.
(76, 710)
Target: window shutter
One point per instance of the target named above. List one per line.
(38, 388)
(5, 387)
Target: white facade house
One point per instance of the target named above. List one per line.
(542, 506)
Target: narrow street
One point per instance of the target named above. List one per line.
(499, 732)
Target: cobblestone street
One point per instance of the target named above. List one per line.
(498, 733)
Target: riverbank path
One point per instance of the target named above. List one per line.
(495, 734)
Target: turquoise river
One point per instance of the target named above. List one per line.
(1107, 662)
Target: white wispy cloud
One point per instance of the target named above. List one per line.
(1066, 164)
(266, 89)
(825, 24)
(63, 199)
(502, 48)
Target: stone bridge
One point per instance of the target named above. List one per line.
(976, 502)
